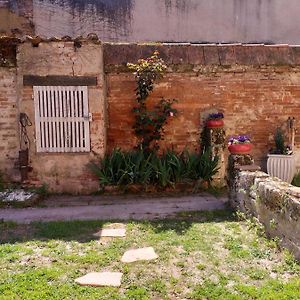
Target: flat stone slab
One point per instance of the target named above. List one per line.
(139, 254)
(115, 226)
(111, 232)
(100, 279)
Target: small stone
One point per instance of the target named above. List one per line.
(100, 279)
(139, 254)
(111, 232)
(294, 191)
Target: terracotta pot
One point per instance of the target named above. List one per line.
(240, 148)
(215, 123)
(281, 166)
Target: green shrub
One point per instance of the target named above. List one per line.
(138, 167)
(296, 180)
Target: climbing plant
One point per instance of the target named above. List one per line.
(150, 122)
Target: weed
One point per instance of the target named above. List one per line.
(2, 187)
(201, 267)
(273, 224)
(42, 190)
(256, 273)
(137, 293)
(296, 180)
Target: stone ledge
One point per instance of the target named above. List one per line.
(272, 201)
(202, 54)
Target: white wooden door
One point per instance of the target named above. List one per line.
(62, 118)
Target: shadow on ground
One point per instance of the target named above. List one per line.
(82, 231)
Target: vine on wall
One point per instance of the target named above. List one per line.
(149, 123)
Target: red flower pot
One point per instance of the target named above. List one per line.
(215, 123)
(240, 148)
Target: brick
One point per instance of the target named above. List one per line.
(239, 95)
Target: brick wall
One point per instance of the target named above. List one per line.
(256, 87)
(65, 172)
(9, 137)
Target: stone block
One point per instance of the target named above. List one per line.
(100, 279)
(139, 254)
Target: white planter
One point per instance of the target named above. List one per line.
(281, 166)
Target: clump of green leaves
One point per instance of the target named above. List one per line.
(2, 184)
(280, 147)
(150, 122)
(279, 141)
(296, 180)
(140, 167)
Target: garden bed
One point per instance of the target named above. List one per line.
(182, 188)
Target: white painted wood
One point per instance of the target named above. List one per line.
(53, 116)
(62, 118)
(45, 121)
(72, 123)
(36, 95)
(60, 100)
(80, 123)
(76, 115)
(281, 166)
(65, 124)
(86, 122)
(42, 145)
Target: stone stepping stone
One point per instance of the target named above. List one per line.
(139, 254)
(112, 230)
(107, 232)
(100, 279)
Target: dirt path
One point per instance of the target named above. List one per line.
(111, 208)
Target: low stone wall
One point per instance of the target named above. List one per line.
(276, 204)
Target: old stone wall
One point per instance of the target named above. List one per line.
(273, 202)
(65, 172)
(257, 88)
(9, 135)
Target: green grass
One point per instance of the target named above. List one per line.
(209, 255)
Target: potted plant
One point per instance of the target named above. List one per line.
(281, 161)
(240, 144)
(215, 120)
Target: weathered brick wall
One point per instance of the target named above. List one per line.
(257, 88)
(9, 137)
(65, 172)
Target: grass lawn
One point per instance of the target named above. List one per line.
(201, 256)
